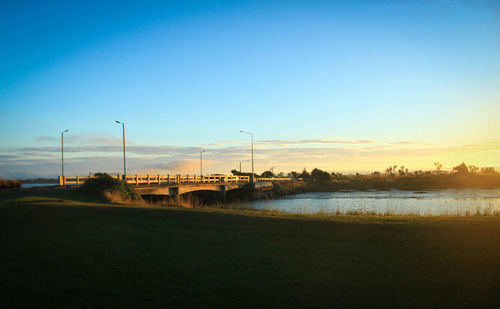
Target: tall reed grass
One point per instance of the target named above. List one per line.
(186, 202)
(365, 209)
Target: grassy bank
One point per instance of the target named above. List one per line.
(76, 253)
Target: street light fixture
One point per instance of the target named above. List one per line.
(201, 163)
(124, 159)
(62, 156)
(251, 135)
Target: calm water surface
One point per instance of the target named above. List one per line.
(441, 202)
(31, 185)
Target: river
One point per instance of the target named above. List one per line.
(392, 202)
(31, 185)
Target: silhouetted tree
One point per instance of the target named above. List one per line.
(461, 169)
(318, 175)
(237, 173)
(438, 166)
(487, 170)
(473, 169)
(336, 175)
(304, 174)
(267, 174)
(391, 171)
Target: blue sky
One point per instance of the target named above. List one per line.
(346, 85)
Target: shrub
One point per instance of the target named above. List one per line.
(10, 184)
(103, 184)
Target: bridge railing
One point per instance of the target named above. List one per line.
(150, 179)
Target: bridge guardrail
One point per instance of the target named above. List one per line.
(158, 179)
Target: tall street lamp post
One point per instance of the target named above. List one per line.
(201, 163)
(124, 159)
(62, 156)
(251, 135)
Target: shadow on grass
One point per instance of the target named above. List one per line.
(75, 195)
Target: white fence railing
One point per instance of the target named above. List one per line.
(169, 179)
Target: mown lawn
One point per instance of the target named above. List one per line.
(72, 254)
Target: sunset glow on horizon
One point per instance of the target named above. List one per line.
(341, 86)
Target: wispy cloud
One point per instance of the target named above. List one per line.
(283, 143)
(181, 165)
(10, 157)
(140, 150)
(407, 143)
(328, 154)
(85, 139)
(44, 139)
(222, 143)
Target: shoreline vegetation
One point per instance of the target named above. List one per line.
(9, 184)
(461, 177)
(407, 182)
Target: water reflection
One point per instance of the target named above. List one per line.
(32, 185)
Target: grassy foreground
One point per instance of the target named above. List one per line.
(62, 253)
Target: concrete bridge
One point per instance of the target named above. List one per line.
(221, 189)
(176, 185)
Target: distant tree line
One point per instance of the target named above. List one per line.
(238, 173)
(392, 173)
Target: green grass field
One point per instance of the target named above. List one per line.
(61, 253)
